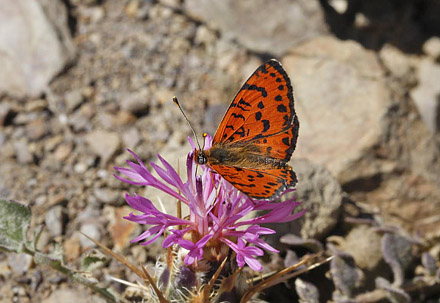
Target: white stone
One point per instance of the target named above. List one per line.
(427, 93)
(31, 52)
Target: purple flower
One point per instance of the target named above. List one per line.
(216, 211)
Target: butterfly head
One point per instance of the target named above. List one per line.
(200, 157)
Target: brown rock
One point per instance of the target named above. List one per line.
(103, 143)
(63, 151)
(121, 229)
(72, 248)
(36, 129)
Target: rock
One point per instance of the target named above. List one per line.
(36, 129)
(80, 121)
(341, 100)
(63, 151)
(108, 196)
(31, 51)
(399, 64)
(73, 99)
(340, 6)
(432, 48)
(321, 195)
(123, 118)
(103, 143)
(72, 296)
(261, 27)
(131, 137)
(122, 230)
(19, 263)
(54, 220)
(23, 152)
(36, 105)
(5, 111)
(137, 102)
(426, 94)
(80, 167)
(92, 230)
(72, 247)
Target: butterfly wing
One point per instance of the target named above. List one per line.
(258, 184)
(262, 113)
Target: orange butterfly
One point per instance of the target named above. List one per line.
(257, 136)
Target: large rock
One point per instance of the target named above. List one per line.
(35, 45)
(271, 27)
(341, 100)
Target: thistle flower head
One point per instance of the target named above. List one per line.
(216, 212)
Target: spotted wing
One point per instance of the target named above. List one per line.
(258, 184)
(262, 113)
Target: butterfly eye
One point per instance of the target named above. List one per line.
(201, 158)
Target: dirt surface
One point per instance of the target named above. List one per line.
(58, 148)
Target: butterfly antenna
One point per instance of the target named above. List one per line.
(187, 120)
(204, 139)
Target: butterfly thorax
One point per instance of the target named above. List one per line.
(237, 155)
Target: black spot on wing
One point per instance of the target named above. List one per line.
(258, 116)
(294, 132)
(262, 69)
(240, 116)
(281, 108)
(241, 132)
(266, 125)
(278, 98)
(260, 105)
(260, 89)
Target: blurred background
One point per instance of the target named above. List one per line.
(81, 80)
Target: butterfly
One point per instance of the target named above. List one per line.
(257, 136)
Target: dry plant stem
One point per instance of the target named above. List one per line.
(142, 274)
(153, 284)
(207, 289)
(121, 259)
(280, 277)
(297, 273)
